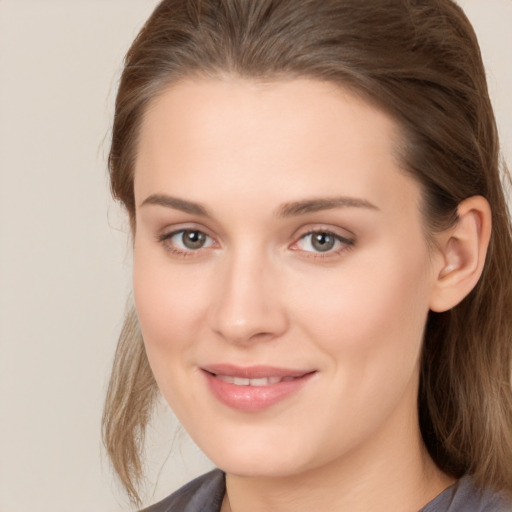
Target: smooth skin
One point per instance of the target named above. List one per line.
(274, 226)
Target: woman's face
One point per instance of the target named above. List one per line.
(281, 274)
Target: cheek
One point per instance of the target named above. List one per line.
(368, 320)
(169, 311)
(369, 305)
(168, 305)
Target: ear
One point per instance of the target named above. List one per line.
(461, 254)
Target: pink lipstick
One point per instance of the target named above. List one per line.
(254, 388)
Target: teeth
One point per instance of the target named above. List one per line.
(225, 378)
(264, 381)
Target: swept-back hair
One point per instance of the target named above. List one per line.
(419, 61)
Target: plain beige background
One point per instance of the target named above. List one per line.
(64, 256)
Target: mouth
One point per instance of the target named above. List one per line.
(263, 381)
(254, 388)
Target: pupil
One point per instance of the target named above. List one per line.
(193, 239)
(323, 242)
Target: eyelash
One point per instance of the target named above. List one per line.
(344, 243)
(166, 240)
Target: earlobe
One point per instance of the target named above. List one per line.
(462, 249)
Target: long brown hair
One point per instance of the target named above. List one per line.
(419, 60)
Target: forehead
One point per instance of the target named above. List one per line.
(236, 136)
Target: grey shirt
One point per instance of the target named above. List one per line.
(205, 494)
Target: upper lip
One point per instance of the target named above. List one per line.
(254, 372)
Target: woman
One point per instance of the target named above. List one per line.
(321, 256)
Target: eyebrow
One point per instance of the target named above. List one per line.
(286, 210)
(177, 204)
(326, 203)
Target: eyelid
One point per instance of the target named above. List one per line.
(164, 237)
(347, 242)
(172, 229)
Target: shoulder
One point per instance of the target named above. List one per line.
(204, 494)
(464, 496)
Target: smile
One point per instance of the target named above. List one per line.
(264, 381)
(253, 389)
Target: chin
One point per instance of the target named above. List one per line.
(247, 455)
(268, 468)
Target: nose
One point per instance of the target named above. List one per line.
(248, 304)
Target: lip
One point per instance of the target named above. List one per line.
(254, 398)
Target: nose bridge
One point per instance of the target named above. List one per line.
(248, 304)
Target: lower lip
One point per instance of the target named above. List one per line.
(254, 398)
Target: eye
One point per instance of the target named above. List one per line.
(323, 242)
(186, 241)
